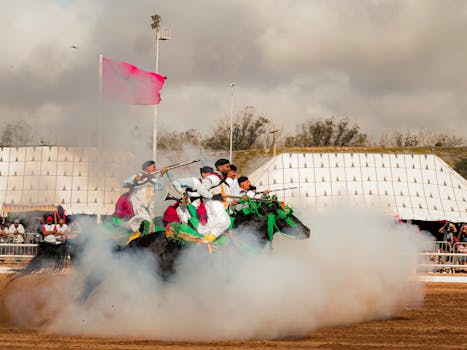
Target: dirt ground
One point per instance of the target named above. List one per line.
(441, 323)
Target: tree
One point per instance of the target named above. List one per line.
(174, 141)
(461, 168)
(327, 132)
(17, 134)
(420, 138)
(248, 130)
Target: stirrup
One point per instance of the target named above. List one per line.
(133, 236)
(209, 238)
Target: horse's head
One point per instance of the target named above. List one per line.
(279, 218)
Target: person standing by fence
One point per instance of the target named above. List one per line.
(16, 231)
(62, 230)
(49, 231)
(4, 233)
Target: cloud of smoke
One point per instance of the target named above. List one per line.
(357, 266)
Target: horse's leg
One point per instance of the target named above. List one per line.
(90, 283)
(167, 260)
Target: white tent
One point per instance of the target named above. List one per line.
(412, 186)
(74, 177)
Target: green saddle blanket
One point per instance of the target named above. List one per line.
(185, 234)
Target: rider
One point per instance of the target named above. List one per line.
(212, 190)
(246, 189)
(188, 186)
(191, 184)
(143, 186)
(231, 180)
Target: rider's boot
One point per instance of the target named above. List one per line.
(146, 229)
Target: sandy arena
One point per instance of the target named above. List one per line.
(439, 324)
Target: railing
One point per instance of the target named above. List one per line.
(17, 251)
(447, 257)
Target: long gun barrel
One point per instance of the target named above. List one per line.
(253, 199)
(173, 166)
(280, 189)
(170, 167)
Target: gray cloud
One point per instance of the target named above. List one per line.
(386, 65)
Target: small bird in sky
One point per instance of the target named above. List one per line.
(73, 47)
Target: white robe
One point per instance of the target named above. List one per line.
(218, 219)
(142, 199)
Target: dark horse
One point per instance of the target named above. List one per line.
(262, 219)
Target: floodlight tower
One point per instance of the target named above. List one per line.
(274, 139)
(231, 118)
(161, 34)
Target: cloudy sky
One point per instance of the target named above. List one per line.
(385, 65)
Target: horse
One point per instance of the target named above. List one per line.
(261, 218)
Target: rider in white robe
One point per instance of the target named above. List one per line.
(212, 189)
(143, 186)
(190, 185)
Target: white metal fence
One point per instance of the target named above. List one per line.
(10, 251)
(447, 257)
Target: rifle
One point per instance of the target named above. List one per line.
(280, 189)
(170, 167)
(266, 200)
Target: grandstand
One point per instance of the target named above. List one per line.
(73, 177)
(411, 186)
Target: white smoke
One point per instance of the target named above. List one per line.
(357, 266)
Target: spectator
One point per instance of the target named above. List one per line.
(4, 233)
(448, 230)
(462, 236)
(49, 231)
(462, 243)
(62, 231)
(16, 231)
(38, 236)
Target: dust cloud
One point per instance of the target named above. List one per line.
(357, 266)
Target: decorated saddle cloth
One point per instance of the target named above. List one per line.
(186, 233)
(183, 233)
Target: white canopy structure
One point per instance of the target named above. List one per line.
(74, 177)
(412, 186)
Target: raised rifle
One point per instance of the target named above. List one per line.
(170, 167)
(266, 200)
(280, 189)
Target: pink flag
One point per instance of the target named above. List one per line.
(128, 83)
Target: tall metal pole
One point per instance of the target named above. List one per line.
(101, 177)
(156, 26)
(231, 118)
(274, 142)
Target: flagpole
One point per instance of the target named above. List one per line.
(161, 34)
(154, 133)
(99, 144)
